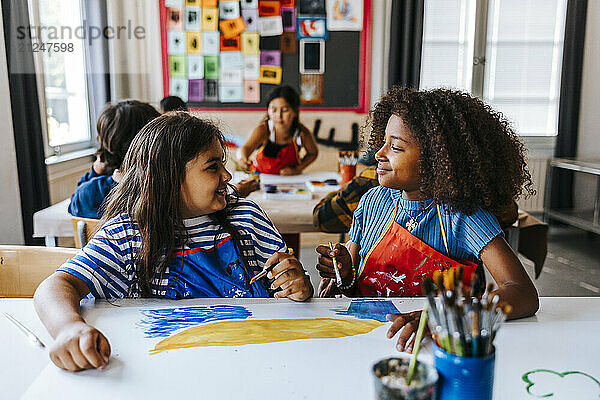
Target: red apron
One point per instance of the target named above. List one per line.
(288, 156)
(398, 262)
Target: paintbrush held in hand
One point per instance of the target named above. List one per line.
(463, 320)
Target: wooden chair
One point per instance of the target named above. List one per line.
(83, 230)
(23, 268)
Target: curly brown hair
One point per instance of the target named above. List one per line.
(470, 155)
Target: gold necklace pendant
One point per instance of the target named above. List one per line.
(411, 225)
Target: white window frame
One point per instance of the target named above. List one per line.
(58, 153)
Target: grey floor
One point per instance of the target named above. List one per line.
(572, 267)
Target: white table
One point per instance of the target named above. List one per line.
(561, 337)
(289, 216)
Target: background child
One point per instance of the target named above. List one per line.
(171, 230)
(117, 125)
(446, 162)
(280, 138)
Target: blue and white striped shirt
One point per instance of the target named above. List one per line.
(467, 234)
(106, 263)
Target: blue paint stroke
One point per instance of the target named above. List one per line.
(368, 309)
(162, 322)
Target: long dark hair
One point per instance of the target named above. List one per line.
(150, 191)
(116, 127)
(470, 155)
(292, 98)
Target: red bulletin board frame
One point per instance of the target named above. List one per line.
(364, 68)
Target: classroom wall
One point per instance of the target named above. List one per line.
(588, 145)
(11, 225)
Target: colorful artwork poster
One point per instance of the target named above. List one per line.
(175, 19)
(345, 15)
(311, 88)
(312, 7)
(196, 90)
(312, 28)
(250, 16)
(288, 18)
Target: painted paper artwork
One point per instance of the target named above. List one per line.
(345, 15)
(311, 88)
(312, 28)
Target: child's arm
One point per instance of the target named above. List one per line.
(514, 285)
(77, 345)
(289, 276)
(257, 137)
(312, 152)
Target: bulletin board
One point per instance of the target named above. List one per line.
(341, 80)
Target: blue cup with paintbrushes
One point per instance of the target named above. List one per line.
(464, 323)
(464, 378)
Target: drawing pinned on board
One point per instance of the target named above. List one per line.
(344, 15)
(545, 383)
(249, 4)
(196, 90)
(193, 18)
(270, 57)
(211, 67)
(312, 56)
(231, 76)
(176, 43)
(270, 26)
(312, 7)
(229, 9)
(250, 16)
(311, 88)
(231, 60)
(269, 74)
(268, 8)
(210, 19)
(175, 19)
(288, 3)
(190, 3)
(230, 93)
(211, 90)
(251, 68)
(194, 42)
(312, 27)
(195, 67)
(288, 19)
(251, 92)
(232, 27)
(210, 43)
(231, 44)
(179, 87)
(177, 66)
(174, 3)
(250, 42)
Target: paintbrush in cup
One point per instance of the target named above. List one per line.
(418, 339)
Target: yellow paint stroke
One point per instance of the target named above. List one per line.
(237, 333)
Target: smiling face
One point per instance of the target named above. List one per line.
(205, 184)
(398, 159)
(281, 113)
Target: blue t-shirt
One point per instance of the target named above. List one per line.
(91, 191)
(208, 266)
(467, 234)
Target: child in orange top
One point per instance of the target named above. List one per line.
(446, 164)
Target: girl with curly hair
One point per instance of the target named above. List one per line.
(172, 229)
(446, 164)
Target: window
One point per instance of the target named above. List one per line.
(61, 65)
(512, 58)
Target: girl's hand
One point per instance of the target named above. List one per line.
(79, 346)
(99, 167)
(245, 163)
(289, 276)
(343, 258)
(409, 323)
(247, 186)
(290, 171)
